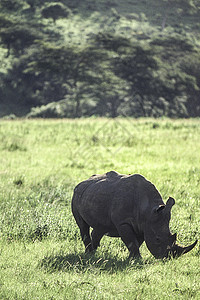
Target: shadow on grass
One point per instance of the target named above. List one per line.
(88, 262)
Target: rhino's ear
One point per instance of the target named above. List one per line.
(170, 203)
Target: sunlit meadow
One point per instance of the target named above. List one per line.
(41, 253)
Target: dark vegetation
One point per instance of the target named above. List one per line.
(106, 58)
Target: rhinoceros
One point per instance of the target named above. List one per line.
(126, 206)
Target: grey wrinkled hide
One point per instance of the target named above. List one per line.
(126, 206)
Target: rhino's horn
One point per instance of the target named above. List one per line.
(178, 250)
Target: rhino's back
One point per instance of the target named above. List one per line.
(93, 198)
(103, 198)
(98, 184)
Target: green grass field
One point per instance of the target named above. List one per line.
(41, 161)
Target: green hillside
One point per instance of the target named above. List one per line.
(105, 58)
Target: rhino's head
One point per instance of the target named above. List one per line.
(159, 240)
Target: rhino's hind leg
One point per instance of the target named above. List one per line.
(84, 230)
(96, 237)
(85, 235)
(130, 239)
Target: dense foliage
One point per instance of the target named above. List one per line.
(82, 58)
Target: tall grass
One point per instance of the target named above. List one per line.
(41, 254)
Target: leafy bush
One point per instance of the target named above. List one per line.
(55, 10)
(51, 110)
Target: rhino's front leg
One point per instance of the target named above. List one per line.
(131, 240)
